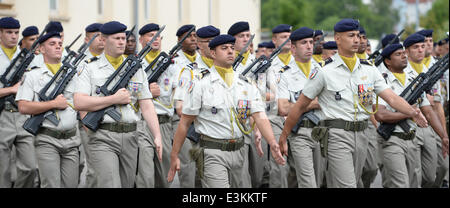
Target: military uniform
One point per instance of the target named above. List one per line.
(56, 146)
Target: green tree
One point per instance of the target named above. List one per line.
(437, 19)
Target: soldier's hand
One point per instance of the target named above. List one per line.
(258, 138)
(60, 102)
(15, 88)
(174, 167)
(159, 148)
(445, 147)
(420, 119)
(154, 89)
(283, 146)
(276, 154)
(123, 97)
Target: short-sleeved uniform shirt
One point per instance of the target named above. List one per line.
(5, 62)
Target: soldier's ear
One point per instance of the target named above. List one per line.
(213, 53)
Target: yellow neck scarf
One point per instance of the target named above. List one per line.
(305, 67)
(318, 58)
(9, 51)
(115, 62)
(361, 55)
(418, 67)
(401, 77)
(285, 57)
(209, 62)
(227, 74)
(53, 67)
(94, 54)
(245, 55)
(191, 58)
(350, 62)
(150, 57)
(427, 61)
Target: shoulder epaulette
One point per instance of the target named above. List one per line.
(34, 67)
(327, 61)
(95, 58)
(204, 73)
(285, 68)
(366, 62)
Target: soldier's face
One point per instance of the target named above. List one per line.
(190, 44)
(279, 39)
(131, 45)
(416, 52)
(362, 44)
(27, 42)
(223, 55)
(318, 48)
(203, 45)
(347, 41)
(242, 38)
(428, 46)
(98, 44)
(260, 52)
(52, 48)
(268, 52)
(115, 44)
(303, 49)
(398, 60)
(147, 37)
(9, 37)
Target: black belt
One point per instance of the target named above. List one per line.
(405, 136)
(119, 127)
(162, 119)
(346, 125)
(221, 144)
(58, 134)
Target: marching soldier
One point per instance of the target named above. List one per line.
(131, 44)
(30, 34)
(11, 131)
(345, 88)
(241, 31)
(220, 120)
(318, 47)
(261, 49)
(113, 147)
(362, 44)
(56, 145)
(329, 49)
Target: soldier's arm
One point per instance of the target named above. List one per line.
(84, 102)
(387, 116)
(437, 127)
(397, 102)
(300, 107)
(439, 109)
(263, 124)
(9, 90)
(284, 106)
(149, 114)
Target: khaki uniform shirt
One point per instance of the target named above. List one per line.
(5, 62)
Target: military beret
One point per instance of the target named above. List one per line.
(361, 30)
(9, 23)
(29, 31)
(391, 49)
(128, 32)
(346, 25)
(238, 27)
(440, 43)
(220, 40)
(208, 32)
(317, 33)
(149, 28)
(270, 44)
(55, 26)
(330, 45)
(183, 29)
(262, 45)
(426, 33)
(95, 27)
(386, 39)
(49, 35)
(282, 28)
(113, 27)
(413, 39)
(302, 33)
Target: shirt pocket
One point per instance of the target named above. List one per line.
(215, 108)
(338, 91)
(294, 92)
(96, 84)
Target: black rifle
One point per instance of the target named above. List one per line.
(59, 81)
(309, 115)
(240, 57)
(163, 60)
(263, 62)
(376, 56)
(67, 48)
(13, 74)
(422, 83)
(125, 72)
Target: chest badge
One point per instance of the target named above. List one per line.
(337, 96)
(214, 110)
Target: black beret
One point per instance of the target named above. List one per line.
(9, 23)
(346, 25)
(29, 31)
(391, 49)
(426, 33)
(262, 45)
(208, 32)
(302, 33)
(49, 35)
(238, 27)
(220, 40)
(128, 32)
(149, 28)
(95, 27)
(282, 28)
(387, 39)
(317, 33)
(413, 39)
(361, 30)
(330, 45)
(55, 26)
(183, 29)
(113, 27)
(270, 44)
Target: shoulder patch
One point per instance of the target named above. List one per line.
(95, 58)
(366, 62)
(313, 74)
(327, 61)
(285, 68)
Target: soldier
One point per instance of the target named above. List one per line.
(11, 121)
(261, 49)
(53, 26)
(30, 34)
(362, 44)
(56, 145)
(220, 119)
(400, 153)
(369, 48)
(329, 49)
(318, 47)
(345, 92)
(301, 145)
(113, 147)
(131, 44)
(241, 31)
(269, 49)
(384, 41)
(97, 46)
(162, 100)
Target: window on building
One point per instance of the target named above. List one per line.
(53, 5)
(100, 7)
